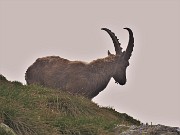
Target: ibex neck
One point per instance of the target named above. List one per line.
(105, 66)
(101, 70)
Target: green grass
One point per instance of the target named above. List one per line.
(35, 110)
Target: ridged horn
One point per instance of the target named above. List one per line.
(130, 46)
(117, 46)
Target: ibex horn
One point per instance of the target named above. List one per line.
(117, 47)
(130, 46)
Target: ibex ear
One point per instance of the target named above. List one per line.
(109, 52)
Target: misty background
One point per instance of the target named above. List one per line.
(30, 29)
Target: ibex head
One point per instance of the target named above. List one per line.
(121, 58)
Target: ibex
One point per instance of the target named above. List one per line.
(76, 77)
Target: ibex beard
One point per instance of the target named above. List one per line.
(76, 77)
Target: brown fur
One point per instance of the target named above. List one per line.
(87, 79)
(73, 76)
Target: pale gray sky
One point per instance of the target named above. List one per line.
(30, 29)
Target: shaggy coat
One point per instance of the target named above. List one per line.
(87, 79)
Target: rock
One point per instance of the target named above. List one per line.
(7, 129)
(120, 128)
(151, 130)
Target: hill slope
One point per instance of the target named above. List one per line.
(35, 110)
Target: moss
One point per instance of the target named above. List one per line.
(37, 110)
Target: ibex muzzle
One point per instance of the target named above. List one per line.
(87, 79)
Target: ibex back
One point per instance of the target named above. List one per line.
(87, 79)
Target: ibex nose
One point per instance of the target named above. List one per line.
(123, 82)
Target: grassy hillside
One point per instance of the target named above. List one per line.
(35, 110)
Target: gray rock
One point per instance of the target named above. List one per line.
(7, 129)
(151, 130)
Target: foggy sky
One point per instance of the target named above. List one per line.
(30, 29)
